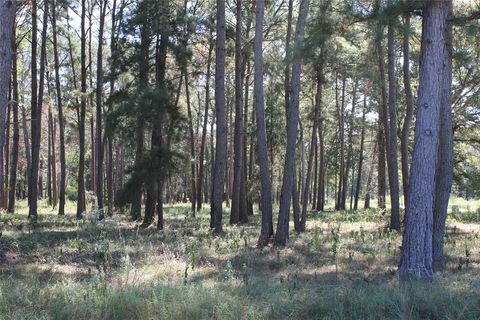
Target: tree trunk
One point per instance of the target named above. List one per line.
(239, 201)
(36, 122)
(292, 124)
(63, 169)
(81, 125)
(99, 111)
(349, 161)
(360, 157)
(221, 133)
(381, 178)
(16, 129)
(392, 153)
(444, 169)
(407, 123)
(192, 161)
(416, 257)
(205, 123)
(306, 189)
(368, 190)
(266, 230)
(341, 138)
(7, 21)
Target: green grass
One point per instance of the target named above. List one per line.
(343, 267)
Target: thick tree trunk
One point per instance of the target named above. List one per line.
(292, 124)
(266, 230)
(221, 133)
(444, 170)
(416, 257)
(407, 123)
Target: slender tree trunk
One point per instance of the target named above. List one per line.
(99, 111)
(238, 197)
(306, 189)
(407, 123)
(368, 190)
(416, 256)
(81, 125)
(193, 195)
(392, 154)
(36, 123)
(221, 133)
(341, 137)
(322, 165)
(349, 161)
(16, 128)
(266, 230)
(7, 21)
(205, 123)
(26, 139)
(61, 123)
(360, 157)
(381, 177)
(292, 124)
(7, 150)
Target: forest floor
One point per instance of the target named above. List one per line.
(343, 267)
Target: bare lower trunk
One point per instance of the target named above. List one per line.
(416, 258)
(444, 170)
(221, 133)
(292, 124)
(306, 189)
(407, 123)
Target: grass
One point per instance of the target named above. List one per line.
(343, 267)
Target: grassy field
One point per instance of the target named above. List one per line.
(343, 267)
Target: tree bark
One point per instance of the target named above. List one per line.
(416, 254)
(239, 201)
(306, 189)
(81, 124)
(444, 170)
(205, 123)
(292, 124)
(360, 157)
(16, 129)
(407, 123)
(266, 230)
(368, 190)
(36, 122)
(99, 111)
(61, 120)
(221, 133)
(7, 21)
(392, 154)
(193, 178)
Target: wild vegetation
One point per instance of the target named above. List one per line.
(239, 159)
